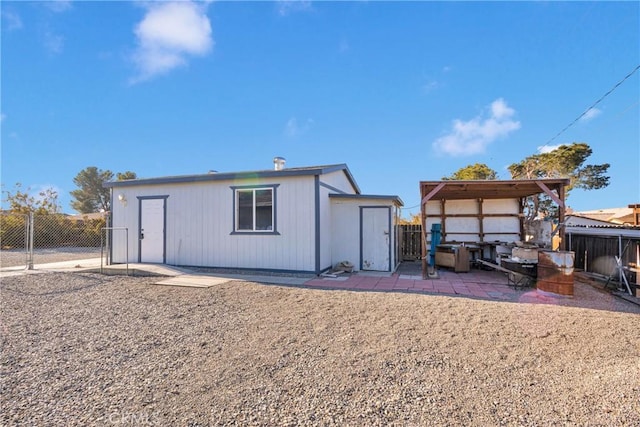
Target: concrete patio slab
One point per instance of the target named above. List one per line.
(192, 281)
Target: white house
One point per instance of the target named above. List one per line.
(301, 219)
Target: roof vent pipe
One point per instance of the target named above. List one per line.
(278, 163)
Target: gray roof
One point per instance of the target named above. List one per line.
(395, 199)
(224, 176)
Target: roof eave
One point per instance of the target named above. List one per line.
(226, 176)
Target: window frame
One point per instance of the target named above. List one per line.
(236, 217)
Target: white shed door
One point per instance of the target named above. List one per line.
(375, 239)
(152, 230)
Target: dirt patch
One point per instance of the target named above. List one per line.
(85, 349)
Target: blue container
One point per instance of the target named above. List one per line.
(435, 241)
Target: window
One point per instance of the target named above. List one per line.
(254, 209)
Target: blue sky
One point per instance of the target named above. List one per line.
(399, 91)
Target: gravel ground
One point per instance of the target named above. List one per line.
(15, 258)
(84, 349)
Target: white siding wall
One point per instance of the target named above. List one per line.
(510, 226)
(337, 180)
(124, 215)
(200, 222)
(325, 229)
(500, 206)
(432, 208)
(462, 225)
(345, 230)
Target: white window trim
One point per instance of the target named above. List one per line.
(274, 217)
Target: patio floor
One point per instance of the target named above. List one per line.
(408, 278)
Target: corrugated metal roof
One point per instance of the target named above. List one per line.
(613, 230)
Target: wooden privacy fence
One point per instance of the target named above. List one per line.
(410, 247)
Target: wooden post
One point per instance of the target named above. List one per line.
(636, 213)
(480, 220)
(521, 217)
(423, 233)
(443, 226)
(561, 210)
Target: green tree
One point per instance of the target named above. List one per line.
(123, 176)
(91, 196)
(22, 202)
(566, 161)
(414, 219)
(478, 171)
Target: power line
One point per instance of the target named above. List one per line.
(572, 123)
(566, 147)
(593, 105)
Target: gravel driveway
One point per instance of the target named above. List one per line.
(84, 349)
(15, 258)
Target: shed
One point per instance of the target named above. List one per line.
(364, 228)
(300, 219)
(597, 244)
(482, 212)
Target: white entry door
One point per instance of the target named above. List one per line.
(152, 230)
(375, 239)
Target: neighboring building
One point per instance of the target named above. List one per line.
(626, 215)
(597, 243)
(303, 219)
(93, 216)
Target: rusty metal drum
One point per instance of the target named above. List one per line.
(555, 272)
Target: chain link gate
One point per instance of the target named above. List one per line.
(14, 239)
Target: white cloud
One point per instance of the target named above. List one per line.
(53, 43)
(286, 7)
(500, 109)
(591, 114)
(431, 85)
(435, 83)
(473, 136)
(59, 5)
(12, 20)
(294, 129)
(543, 149)
(168, 34)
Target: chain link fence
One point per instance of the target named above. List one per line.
(14, 239)
(42, 239)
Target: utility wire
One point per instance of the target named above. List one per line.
(565, 146)
(573, 122)
(593, 105)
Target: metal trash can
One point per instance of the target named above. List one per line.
(555, 272)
